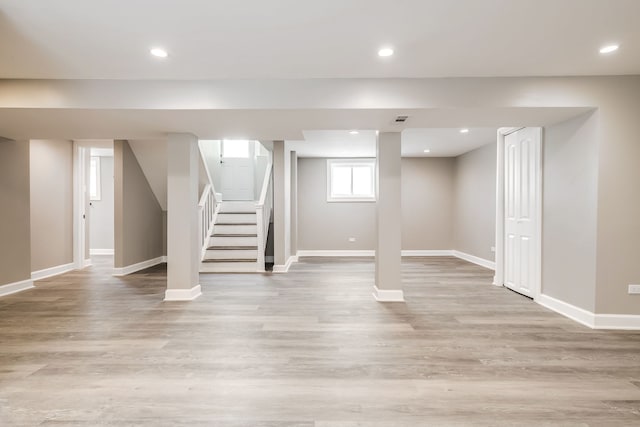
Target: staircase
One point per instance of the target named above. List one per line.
(233, 244)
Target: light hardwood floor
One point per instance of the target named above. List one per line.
(307, 348)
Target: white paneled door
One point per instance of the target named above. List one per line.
(237, 172)
(521, 204)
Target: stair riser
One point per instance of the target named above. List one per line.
(230, 206)
(233, 241)
(231, 267)
(235, 229)
(236, 218)
(231, 254)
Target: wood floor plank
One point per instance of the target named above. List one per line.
(310, 348)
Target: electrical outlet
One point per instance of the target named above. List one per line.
(352, 239)
(634, 289)
(493, 248)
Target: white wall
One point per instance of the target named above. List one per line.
(101, 211)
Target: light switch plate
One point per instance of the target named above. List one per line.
(634, 289)
(352, 239)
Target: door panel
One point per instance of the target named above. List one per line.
(522, 165)
(237, 173)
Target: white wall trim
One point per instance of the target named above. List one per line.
(578, 314)
(52, 271)
(14, 287)
(475, 260)
(336, 253)
(284, 268)
(388, 295)
(421, 253)
(101, 252)
(617, 321)
(123, 271)
(183, 294)
(87, 263)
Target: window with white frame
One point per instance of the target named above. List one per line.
(351, 180)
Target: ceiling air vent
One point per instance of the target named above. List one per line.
(401, 119)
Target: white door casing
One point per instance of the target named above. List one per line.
(519, 211)
(237, 176)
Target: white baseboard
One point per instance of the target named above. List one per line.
(284, 268)
(101, 252)
(164, 258)
(53, 271)
(388, 295)
(421, 253)
(123, 271)
(578, 314)
(183, 294)
(475, 260)
(87, 263)
(336, 253)
(594, 321)
(617, 321)
(12, 288)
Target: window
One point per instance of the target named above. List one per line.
(235, 148)
(94, 179)
(351, 180)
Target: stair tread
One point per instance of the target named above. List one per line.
(221, 260)
(235, 235)
(237, 213)
(232, 248)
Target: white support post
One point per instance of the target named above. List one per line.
(388, 277)
(183, 248)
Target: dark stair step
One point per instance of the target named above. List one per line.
(229, 260)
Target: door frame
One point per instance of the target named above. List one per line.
(498, 279)
(80, 158)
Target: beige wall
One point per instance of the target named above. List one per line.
(474, 222)
(15, 243)
(138, 215)
(326, 225)
(51, 166)
(427, 203)
(570, 194)
(618, 230)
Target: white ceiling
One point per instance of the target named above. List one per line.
(207, 39)
(442, 142)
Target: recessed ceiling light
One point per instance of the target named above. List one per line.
(159, 52)
(427, 151)
(354, 132)
(385, 51)
(464, 130)
(610, 48)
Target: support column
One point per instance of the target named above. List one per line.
(281, 208)
(388, 277)
(183, 253)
